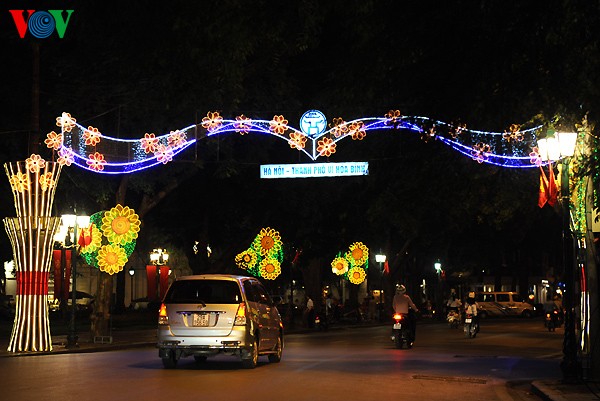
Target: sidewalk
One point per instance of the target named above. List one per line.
(144, 335)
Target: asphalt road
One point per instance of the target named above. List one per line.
(340, 364)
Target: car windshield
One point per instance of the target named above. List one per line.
(204, 291)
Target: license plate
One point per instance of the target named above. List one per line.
(397, 326)
(468, 320)
(200, 319)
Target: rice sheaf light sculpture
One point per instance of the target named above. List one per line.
(31, 233)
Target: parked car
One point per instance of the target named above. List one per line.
(212, 314)
(502, 303)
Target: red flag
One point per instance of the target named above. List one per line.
(85, 237)
(543, 197)
(386, 267)
(552, 187)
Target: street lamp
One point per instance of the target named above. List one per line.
(158, 257)
(380, 258)
(561, 146)
(437, 265)
(68, 235)
(131, 273)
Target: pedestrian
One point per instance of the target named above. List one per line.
(310, 312)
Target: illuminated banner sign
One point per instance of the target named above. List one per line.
(312, 170)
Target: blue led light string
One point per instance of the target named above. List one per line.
(484, 147)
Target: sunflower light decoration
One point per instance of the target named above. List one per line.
(111, 238)
(264, 257)
(354, 264)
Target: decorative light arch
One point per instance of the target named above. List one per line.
(93, 151)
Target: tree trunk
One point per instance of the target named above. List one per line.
(100, 319)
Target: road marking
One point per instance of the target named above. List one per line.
(450, 379)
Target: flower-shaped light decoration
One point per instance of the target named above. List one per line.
(164, 154)
(110, 252)
(212, 121)
(92, 239)
(534, 157)
(264, 257)
(278, 125)
(120, 225)
(46, 181)
(176, 138)
(20, 182)
(513, 133)
(326, 147)
(357, 131)
(246, 259)
(267, 242)
(480, 152)
(96, 161)
(242, 124)
(66, 122)
(34, 163)
(297, 140)
(270, 268)
(339, 266)
(53, 140)
(111, 258)
(458, 129)
(427, 134)
(393, 118)
(358, 254)
(91, 136)
(339, 127)
(149, 143)
(65, 157)
(356, 275)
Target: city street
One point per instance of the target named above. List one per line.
(340, 364)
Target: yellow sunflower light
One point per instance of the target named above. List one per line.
(339, 266)
(246, 259)
(356, 275)
(270, 268)
(358, 254)
(111, 258)
(267, 242)
(121, 225)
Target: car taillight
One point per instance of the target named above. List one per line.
(397, 316)
(240, 316)
(162, 315)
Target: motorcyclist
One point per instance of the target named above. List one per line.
(471, 307)
(404, 304)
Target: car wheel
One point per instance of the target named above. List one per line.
(527, 314)
(276, 357)
(250, 361)
(169, 362)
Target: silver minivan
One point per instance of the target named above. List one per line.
(212, 314)
(502, 303)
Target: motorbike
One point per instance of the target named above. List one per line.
(453, 319)
(402, 331)
(553, 319)
(321, 322)
(470, 326)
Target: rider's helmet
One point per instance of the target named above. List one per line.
(400, 289)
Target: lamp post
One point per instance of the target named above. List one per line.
(72, 222)
(380, 258)
(158, 257)
(131, 273)
(561, 146)
(439, 296)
